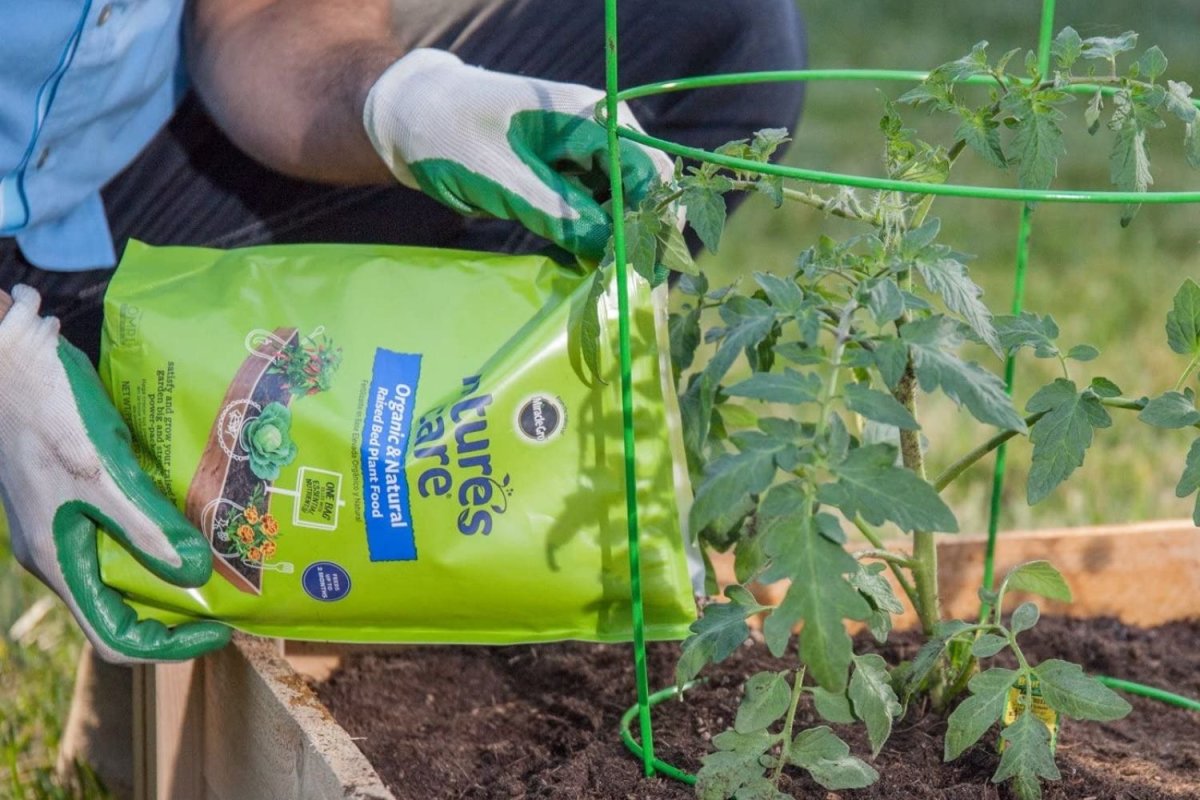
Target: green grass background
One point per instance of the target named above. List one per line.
(1105, 286)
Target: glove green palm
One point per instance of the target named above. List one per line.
(67, 470)
(506, 146)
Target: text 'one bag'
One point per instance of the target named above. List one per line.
(388, 444)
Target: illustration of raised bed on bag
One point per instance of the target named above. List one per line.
(251, 441)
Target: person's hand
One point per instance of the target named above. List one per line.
(505, 145)
(67, 470)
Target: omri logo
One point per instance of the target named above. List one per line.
(483, 494)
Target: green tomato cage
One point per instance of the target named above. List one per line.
(644, 750)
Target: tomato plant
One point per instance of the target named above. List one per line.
(821, 430)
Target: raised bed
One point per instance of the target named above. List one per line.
(243, 723)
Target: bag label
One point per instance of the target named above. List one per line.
(386, 427)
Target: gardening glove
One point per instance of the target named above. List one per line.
(507, 146)
(66, 470)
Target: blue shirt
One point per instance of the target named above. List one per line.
(84, 85)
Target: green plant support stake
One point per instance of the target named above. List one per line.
(618, 214)
(1045, 38)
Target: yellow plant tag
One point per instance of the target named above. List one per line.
(1016, 706)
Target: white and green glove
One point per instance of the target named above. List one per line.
(67, 470)
(504, 145)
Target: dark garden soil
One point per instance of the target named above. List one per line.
(541, 722)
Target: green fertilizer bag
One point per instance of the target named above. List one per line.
(390, 444)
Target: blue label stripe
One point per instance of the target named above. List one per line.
(387, 422)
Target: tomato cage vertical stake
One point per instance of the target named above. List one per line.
(614, 95)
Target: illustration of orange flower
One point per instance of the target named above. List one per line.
(255, 554)
(251, 514)
(270, 526)
(268, 549)
(246, 534)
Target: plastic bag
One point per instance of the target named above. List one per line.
(391, 444)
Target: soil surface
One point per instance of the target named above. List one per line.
(541, 721)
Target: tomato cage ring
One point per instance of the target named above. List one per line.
(606, 114)
(1011, 194)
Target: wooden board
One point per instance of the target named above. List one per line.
(1145, 574)
(240, 725)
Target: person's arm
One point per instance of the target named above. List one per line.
(287, 79)
(318, 89)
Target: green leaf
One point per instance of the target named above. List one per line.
(965, 382)
(981, 132)
(784, 294)
(1152, 64)
(947, 277)
(819, 596)
(869, 483)
(1026, 757)
(641, 240)
(673, 251)
(694, 285)
(1129, 164)
(788, 386)
(929, 654)
(706, 209)
(1083, 352)
(827, 758)
(1024, 617)
(1066, 48)
(1061, 437)
(885, 301)
(871, 581)
(1179, 101)
(736, 763)
(833, 706)
(589, 326)
(766, 699)
(874, 700)
(973, 63)
(684, 334)
(891, 358)
(748, 322)
(1040, 578)
(975, 715)
(1091, 114)
(1171, 410)
(1038, 143)
(1189, 482)
(1069, 691)
(1183, 320)
(878, 406)
(1103, 387)
(987, 645)
(1028, 330)
(717, 634)
(728, 480)
(1106, 47)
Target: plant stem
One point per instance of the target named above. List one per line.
(951, 473)
(815, 201)
(789, 721)
(960, 466)
(1187, 372)
(884, 555)
(872, 536)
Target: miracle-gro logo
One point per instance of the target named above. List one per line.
(481, 496)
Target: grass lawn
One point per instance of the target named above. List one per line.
(1104, 285)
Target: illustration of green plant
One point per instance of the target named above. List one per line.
(252, 531)
(821, 430)
(268, 441)
(308, 364)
